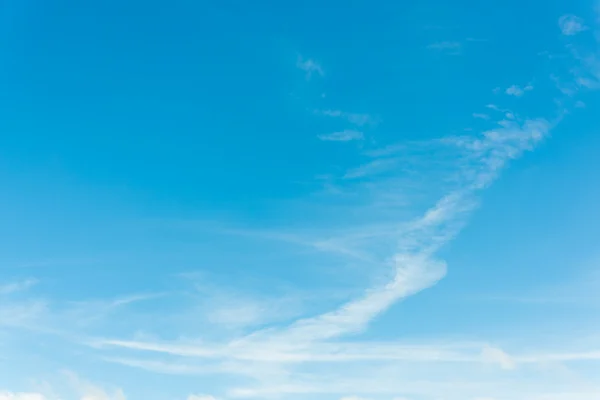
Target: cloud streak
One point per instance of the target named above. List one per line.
(403, 249)
(346, 135)
(15, 287)
(353, 118)
(322, 339)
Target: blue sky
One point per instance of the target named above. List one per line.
(343, 200)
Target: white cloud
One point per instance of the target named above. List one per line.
(342, 136)
(88, 391)
(571, 24)
(354, 118)
(21, 396)
(271, 355)
(497, 356)
(77, 389)
(494, 107)
(17, 286)
(309, 66)
(22, 314)
(517, 91)
(201, 397)
(371, 168)
(514, 90)
(588, 82)
(238, 310)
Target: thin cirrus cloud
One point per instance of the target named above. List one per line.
(15, 287)
(357, 119)
(269, 350)
(416, 268)
(322, 338)
(353, 398)
(446, 47)
(374, 167)
(72, 387)
(346, 135)
(21, 396)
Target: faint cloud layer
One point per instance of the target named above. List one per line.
(571, 25)
(17, 286)
(310, 66)
(279, 352)
(353, 118)
(21, 396)
(75, 389)
(448, 47)
(201, 397)
(343, 136)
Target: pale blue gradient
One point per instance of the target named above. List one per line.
(341, 200)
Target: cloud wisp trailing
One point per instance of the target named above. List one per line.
(271, 346)
(322, 339)
(346, 135)
(15, 287)
(356, 119)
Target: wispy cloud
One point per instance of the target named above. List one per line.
(371, 168)
(414, 267)
(447, 47)
(25, 314)
(497, 356)
(310, 67)
(514, 90)
(354, 118)
(518, 91)
(200, 397)
(272, 355)
(342, 136)
(571, 25)
(318, 352)
(585, 73)
(86, 390)
(17, 286)
(21, 396)
(77, 388)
